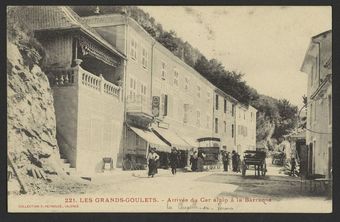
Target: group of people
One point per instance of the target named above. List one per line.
(153, 158)
(196, 161)
(235, 161)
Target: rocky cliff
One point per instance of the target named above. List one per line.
(32, 146)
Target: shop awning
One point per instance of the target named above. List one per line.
(191, 141)
(152, 139)
(172, 138)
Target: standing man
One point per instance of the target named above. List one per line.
(234, 161)
(225, 159)
(173, 160)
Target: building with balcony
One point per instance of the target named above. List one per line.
(85, 72)
(129, 38)
(165, 96)
(318, 65)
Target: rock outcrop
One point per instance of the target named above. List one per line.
(32, 145)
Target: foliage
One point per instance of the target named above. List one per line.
(21, 34)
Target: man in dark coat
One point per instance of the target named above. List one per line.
(173, 160)
(225, 159)
(234, 161)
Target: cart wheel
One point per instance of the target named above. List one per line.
(264, 169)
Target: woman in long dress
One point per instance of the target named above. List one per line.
(153, 157)
(193, 161)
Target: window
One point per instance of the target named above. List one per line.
(133, 90)
(233, 110)
(186, 83)
(216, 125)
(143, 89)
(198, 118)
(232, 130)
(133, 49)
(198, 91)
(145, 58)
(216, 102)
(208, 122)
(208, 97)
(137, 140)
(225, 105)
(251, 116)
(165, 104)
(330, 109)
(225, 126)
(175, 77)
(186, 110)
(163, 71)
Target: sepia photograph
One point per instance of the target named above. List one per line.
(176, 109)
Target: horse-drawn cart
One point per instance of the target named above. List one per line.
(256, 159)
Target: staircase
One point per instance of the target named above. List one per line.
(65, 163)
(66, 166)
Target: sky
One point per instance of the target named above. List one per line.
(266, 43)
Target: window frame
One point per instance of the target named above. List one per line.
(133, 47)
(225, 105)
(176, 77)
(145, 58)
(216, 125)
(163, 70)
(216, 102)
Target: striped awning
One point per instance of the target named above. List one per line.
(172, 138)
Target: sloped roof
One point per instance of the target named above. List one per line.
(60, 18)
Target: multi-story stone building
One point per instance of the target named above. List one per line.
(183, 97)
(187, 104)
(117, 92)
(318, 65)
(224, 119)
(85, 73)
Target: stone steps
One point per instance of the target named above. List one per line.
(66, 165)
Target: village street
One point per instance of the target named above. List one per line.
(211, 191)
(274, 191)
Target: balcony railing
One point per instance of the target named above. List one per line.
(77, 76)
(138, 104)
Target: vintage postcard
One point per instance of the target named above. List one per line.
(169, 109)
